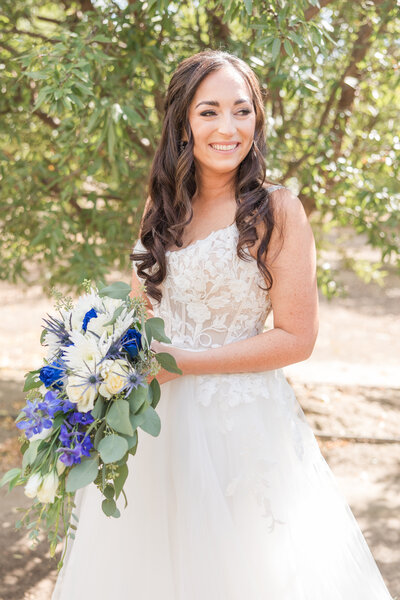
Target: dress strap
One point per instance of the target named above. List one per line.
(272, 188)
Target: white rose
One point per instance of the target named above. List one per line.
(80, 393)
(115, 379)
(42, 435)
(33, 484)
(48, 489)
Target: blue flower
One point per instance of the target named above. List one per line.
(76, 445)
(52, 374)
(91, 314)
(35, 419)
(131, 342)
(80, 417)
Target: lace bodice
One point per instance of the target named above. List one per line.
(211, 297)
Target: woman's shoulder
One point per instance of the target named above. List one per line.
(285, 203)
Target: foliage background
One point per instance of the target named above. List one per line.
(81, 105)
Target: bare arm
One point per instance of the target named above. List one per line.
(294, 300)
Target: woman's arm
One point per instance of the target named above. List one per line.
(294, 297)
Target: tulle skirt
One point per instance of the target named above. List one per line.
(232, 501)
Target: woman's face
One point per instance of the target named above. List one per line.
(222, 120)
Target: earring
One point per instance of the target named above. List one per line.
(181, 145)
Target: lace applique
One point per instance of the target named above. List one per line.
(210, 297)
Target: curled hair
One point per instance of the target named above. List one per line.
(172, 177)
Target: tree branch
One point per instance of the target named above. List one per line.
(31, 34)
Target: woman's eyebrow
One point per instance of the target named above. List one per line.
(215, 103)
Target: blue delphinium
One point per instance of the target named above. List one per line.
(75, 445)
(91, 314)
(132, 342)
(35, 421)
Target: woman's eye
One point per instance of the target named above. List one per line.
(246, 111)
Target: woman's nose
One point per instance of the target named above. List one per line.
(227, 125)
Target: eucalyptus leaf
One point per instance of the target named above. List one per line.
(82, 474)
(131, 439)
(99, 408)
(136, 420)
(108, 506)
(152, 422)
(154, 392)
(155, 329)
(112, 448)
(118, 417)
(137, 397)
(168, 362)
(118, 290)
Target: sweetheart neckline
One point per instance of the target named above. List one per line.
(201, 239)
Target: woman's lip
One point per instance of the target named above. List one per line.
(225, 151)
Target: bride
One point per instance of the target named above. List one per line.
(234, 499)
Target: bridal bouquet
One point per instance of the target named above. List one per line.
(85, 404)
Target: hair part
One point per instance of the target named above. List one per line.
(172, 182)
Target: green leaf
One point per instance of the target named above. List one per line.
(31, 381)
(99, 435)
(118, 417)
(30, 454)
(137, 397)
(120, 480)
(131, 439)
(154, 392)
(136, 420)
(288, 47)
(99, 408)
(115, 316)
(112, 448)
(118, 289)
(109, 491)
(155, 329)
(152, 422)
(10, 475)
(276, 47)
(108, 506)
(249, 6)
(82, 474)
(168, 362)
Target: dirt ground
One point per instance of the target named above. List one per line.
(350, 387)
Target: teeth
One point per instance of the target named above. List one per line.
(220, 147)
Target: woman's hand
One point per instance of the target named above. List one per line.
(180, 357)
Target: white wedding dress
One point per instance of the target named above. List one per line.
(233, 500)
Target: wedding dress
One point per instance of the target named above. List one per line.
(233, 500)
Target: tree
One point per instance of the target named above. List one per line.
(81, 104)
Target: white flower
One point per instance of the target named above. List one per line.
(81, 393)
(85, 349)
(42, 435)
(60, 466)
(48, 489)
(82, 306)
(198, 312)
(33, 484)
(114, 379)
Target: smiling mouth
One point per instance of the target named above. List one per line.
(224, 148)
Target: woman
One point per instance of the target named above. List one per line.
(233, 500)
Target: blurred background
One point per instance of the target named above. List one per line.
(82, 85)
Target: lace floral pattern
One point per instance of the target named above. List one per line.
(210, 296)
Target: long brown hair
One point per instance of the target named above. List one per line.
(172, 177)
